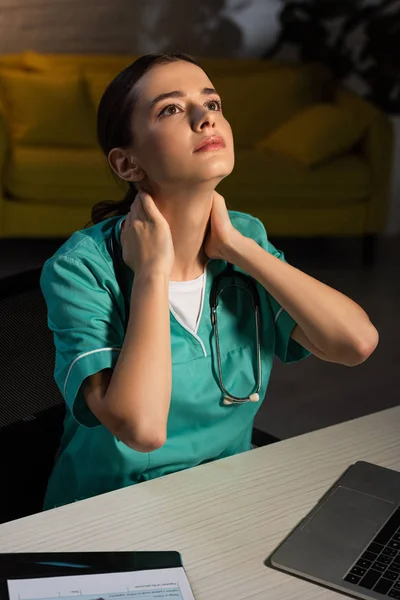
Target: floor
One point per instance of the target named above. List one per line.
(311, 394)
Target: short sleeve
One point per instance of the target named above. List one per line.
(286, 348)
(87, 330)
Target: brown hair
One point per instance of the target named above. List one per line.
(114, 117)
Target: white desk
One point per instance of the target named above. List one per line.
(224, 517)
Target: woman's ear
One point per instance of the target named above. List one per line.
(124, 165)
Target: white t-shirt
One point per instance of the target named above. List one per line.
(186, 299)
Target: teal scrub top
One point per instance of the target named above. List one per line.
(85, 313)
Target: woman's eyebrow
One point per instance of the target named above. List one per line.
(179, 94)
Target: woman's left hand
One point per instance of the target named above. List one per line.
(221, 232)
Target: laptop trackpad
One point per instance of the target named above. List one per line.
(349, 519)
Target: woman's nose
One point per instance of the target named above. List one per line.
(204, 119)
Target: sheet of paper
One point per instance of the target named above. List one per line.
(157, 584)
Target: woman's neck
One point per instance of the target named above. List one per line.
(188, 217)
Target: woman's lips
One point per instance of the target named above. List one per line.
(214, 142)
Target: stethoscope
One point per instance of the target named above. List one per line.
(228, 274)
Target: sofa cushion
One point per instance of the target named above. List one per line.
(316, 134)
(11, 61)
(257, 103)
(49, 109)
(41, 63)
(276, 180)
(76, 177)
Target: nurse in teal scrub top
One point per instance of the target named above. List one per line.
(146, 400)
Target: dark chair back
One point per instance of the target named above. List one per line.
(31, 407)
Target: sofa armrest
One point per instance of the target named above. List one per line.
(377, 149)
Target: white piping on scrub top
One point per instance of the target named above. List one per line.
(189, 330)
(82, 356)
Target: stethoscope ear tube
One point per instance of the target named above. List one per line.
(228, 271)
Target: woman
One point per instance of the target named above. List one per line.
(147, 399)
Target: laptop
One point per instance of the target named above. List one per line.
(350, 541)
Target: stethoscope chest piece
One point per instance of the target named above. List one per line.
(252, 398)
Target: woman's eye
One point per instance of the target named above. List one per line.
(171, 109)
(215, 103)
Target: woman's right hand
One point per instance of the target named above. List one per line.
(146, 238)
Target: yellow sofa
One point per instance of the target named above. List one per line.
(51, 177)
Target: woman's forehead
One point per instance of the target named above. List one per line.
(175, 76)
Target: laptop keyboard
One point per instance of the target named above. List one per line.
(378, 568)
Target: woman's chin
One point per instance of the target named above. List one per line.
(216, 170)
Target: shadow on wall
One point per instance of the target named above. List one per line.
(206, 28)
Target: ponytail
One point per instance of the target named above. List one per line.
(109, 208)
